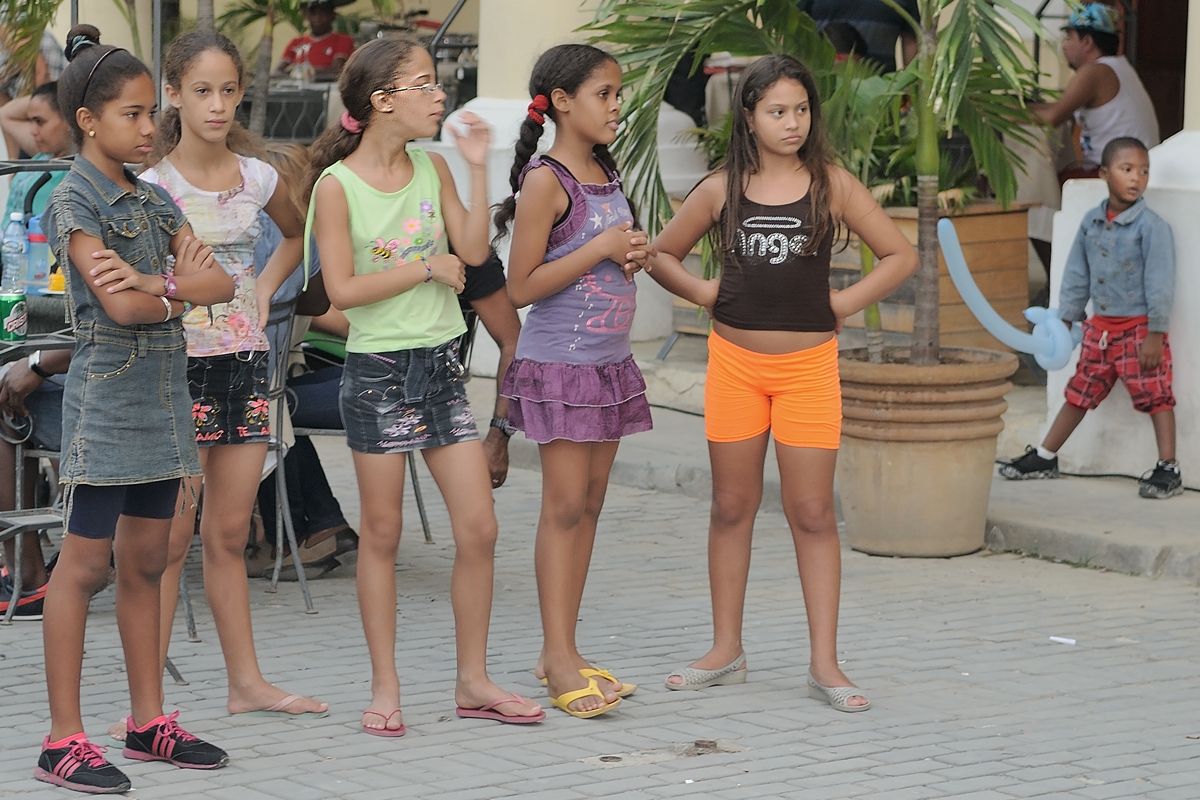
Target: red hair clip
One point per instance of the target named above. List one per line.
(537, 109)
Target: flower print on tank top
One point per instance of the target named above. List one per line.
(419, 239)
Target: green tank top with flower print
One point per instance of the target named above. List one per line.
(392, 228)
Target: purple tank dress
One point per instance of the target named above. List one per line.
(574, 376)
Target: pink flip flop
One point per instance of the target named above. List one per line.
(385, 732)
(486, 712)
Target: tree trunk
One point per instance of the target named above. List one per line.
(925, 336)
(872, 321)
(262, 74)
(205, 18)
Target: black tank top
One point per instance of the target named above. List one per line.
(766, 284)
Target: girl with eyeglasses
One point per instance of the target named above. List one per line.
(384, 214)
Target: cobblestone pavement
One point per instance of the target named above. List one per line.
(971, 698)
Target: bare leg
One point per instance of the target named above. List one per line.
(183, 528)
(1164, 434)
(380, 492)
(1064, 425)
(461, 473)
(231, 478)
(141, 555)
(500, 320)
(82, 570)
(599, 466)
(574, 477)
(806, 476)
(737, 469)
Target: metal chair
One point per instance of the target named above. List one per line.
(279, 332)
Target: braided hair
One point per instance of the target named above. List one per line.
(566, 67)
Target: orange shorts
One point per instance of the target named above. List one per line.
(796, 396)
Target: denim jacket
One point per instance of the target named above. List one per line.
(1126, 267)
(138, 226)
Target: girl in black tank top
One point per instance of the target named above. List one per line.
(771, 278)
(780, 376)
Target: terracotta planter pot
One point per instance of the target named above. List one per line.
(918, 446)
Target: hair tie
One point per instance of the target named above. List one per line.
(78, 42)
(540, 104)
(350, 124)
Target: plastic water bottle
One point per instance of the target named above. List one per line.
(15, 251)
(37, 279)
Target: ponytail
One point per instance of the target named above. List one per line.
(330, 147)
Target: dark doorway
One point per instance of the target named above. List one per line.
(1161, 56)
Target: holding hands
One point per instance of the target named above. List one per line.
(627, 247)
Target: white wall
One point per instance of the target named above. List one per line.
(1115, 438)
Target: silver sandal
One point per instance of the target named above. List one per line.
(837, 696)
(694, 678)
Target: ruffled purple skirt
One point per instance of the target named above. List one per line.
(578, 402)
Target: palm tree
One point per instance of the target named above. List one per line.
(238, 18)
(205, 19)
(972, 75)
(22, 23)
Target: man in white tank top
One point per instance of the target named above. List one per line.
(1105, 95)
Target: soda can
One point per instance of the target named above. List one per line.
(14, 317)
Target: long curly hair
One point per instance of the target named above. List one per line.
(741, 159)
(565, 67)
(369, 69)
(179, 58)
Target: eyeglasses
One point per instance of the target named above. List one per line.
(427, 88)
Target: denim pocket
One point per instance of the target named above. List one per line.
(109, 360)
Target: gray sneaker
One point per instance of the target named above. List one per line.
(1030, 467)
(1161, 482)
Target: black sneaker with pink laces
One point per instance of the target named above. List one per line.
(163, 740)
(75, 763)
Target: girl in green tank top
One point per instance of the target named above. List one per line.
(384, 215)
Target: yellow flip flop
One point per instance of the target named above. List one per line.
(591, 672)
(626, 688)
(564, 700)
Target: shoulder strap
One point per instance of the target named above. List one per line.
(576, 198)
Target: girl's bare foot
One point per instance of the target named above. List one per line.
(604, 684)
(569, 680)
(266, 697)
(478, 694)
(117, 730)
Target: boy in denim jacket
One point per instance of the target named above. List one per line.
(1124, 260)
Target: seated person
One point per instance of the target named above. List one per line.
(876, 23)
(36, 125)
(321, 52)
(1105, 95)
(31, 402)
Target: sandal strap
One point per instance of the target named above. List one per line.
(566, 698)
(513, 697)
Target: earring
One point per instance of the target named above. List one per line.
(92, 134)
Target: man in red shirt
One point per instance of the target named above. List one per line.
(323, 50)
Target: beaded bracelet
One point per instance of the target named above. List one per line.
(428, 269)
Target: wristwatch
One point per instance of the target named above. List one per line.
(503, 425)
(35, 359)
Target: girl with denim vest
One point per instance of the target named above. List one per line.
(574, 387)
(777, 205)
(203, 165)
(126, 420)
(382, 213)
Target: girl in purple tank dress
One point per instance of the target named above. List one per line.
(574, 387)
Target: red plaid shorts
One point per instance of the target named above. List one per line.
(1108, 356)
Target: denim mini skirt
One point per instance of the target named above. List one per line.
(127, 412)
(405, 400)
(230, 398)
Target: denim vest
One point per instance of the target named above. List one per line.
(1126, 267)
(126, 406)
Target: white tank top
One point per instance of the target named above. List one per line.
(1130, 113)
